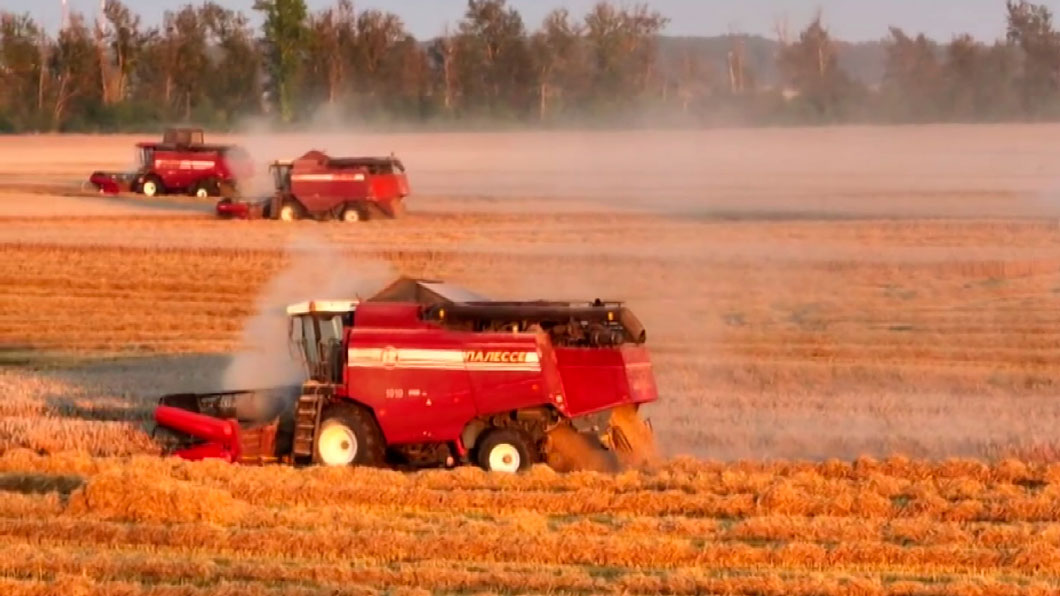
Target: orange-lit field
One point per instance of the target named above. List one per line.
(844, 310)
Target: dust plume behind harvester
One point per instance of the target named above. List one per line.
(425, 374)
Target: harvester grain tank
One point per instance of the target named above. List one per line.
(183, 163)
(316, 186)
(429, 374)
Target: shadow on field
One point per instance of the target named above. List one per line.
(119, 388)
(39, 484)
(163, 203)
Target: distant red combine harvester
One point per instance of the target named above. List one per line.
(320, 187)
(181, 164)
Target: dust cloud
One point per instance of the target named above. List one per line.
(776, 173)
(316, 270)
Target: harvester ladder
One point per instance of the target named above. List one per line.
(306, 421)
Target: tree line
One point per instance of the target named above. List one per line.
(206, 64)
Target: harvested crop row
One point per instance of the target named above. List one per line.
(83, 586)
(755, 530)
(534, 544)
(684, 473)
(946, 484)
(162, 568)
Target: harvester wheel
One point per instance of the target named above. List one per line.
(352, 214)
(348, 435)
(503, 450)
(151, 187)
(290, 211)
(209, 187)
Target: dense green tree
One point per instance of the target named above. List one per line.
(811, 67)
(23, 74)
(1030, 26)
(912, 83)
(286, 37)
(493, 59)
(121, 43)
(559, 61)
(622, 45)
(329, 53)
(73, 68)
(204, 63)
(234, 84)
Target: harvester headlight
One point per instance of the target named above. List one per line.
(610, 316)
(441, 313)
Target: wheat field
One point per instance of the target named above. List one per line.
(854, 333)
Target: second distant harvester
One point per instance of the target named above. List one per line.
(317, 186)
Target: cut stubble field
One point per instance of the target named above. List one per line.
(822, 295)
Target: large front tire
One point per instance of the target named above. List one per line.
(209, 187)
(348, 435)
(152, 187)
(289, 211)
(504, 450)
(352, 214)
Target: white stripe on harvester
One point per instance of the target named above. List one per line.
(184, 164)
(443, 359)
(328, 177)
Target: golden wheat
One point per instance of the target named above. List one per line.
(798, 339)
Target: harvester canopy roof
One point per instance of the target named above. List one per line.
(322, 159)
(322, 306)
(188, 148)
(183, 136)
(428, 292)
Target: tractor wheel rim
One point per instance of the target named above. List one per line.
(338, 445)
(351, 215)
(150, 189)
(504, 458)
(287, 213)
(202, 193)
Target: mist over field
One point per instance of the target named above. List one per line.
(610, 65)
(833, 314)
(777, 270)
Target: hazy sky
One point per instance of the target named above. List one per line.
(854, 20)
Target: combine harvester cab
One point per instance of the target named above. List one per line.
(316, 186)
(427, 374)
(181, 164)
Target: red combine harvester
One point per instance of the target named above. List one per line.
(320, 187)
(181, 163)
(428, 374)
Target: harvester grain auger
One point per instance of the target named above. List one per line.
(428, 374)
